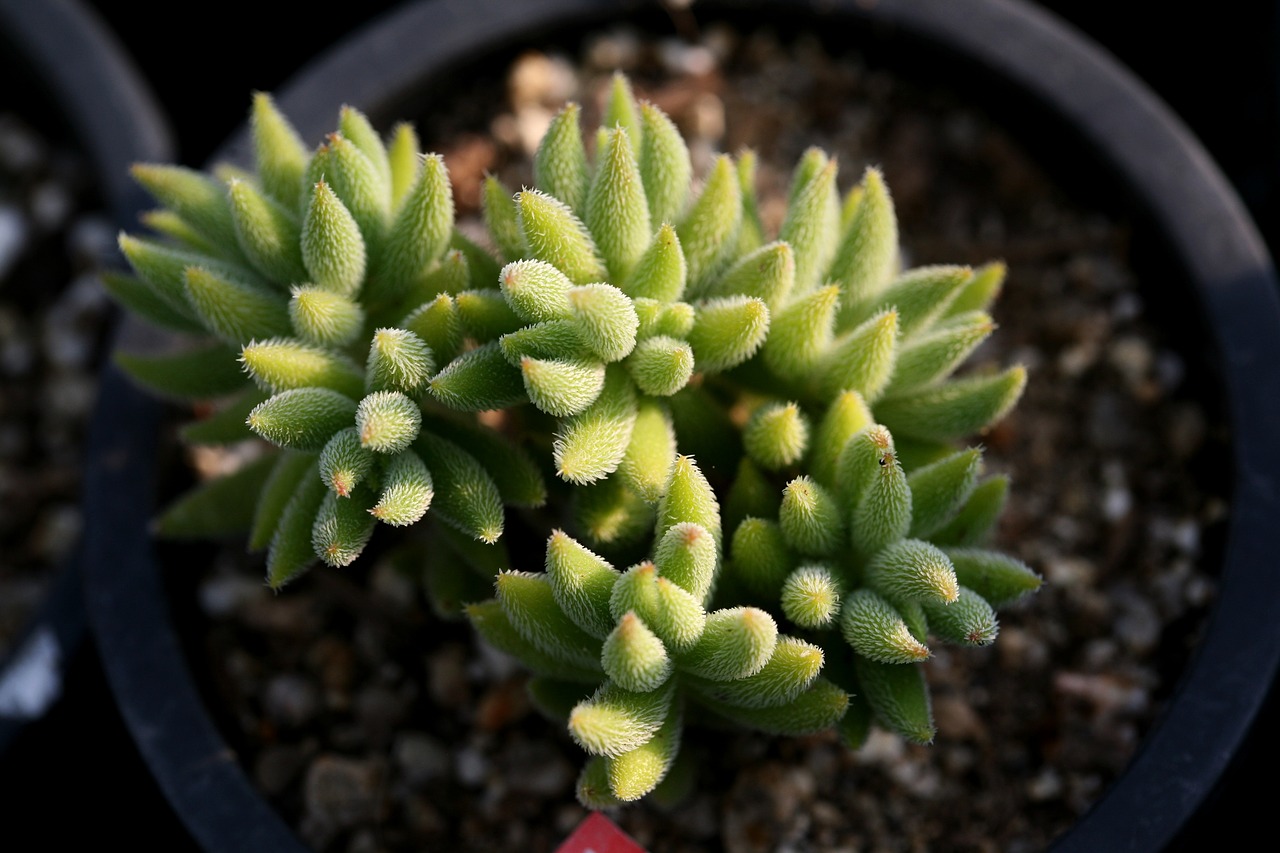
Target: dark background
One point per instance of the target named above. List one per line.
(76, 776)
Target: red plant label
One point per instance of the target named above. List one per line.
(598, 834)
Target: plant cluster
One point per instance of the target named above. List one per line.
(626, 321)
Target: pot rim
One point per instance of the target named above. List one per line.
(1157, 159)
(115, 120)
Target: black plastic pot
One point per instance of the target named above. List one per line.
(77, 72)
(1085, 108)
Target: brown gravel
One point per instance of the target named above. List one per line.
(374, 725)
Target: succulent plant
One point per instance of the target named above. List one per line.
(633, 319)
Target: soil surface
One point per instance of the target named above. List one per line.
(373, 725)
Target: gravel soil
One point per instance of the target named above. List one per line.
(373, 725)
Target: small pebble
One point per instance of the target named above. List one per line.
(291, 700)
(421, 758)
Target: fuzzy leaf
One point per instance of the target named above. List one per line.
(954, 409)
(810, 518)
(939, 490)
(145, 301)
(812, 226)
(500, 217)
(560, 163)
(398, 360)
(661, 365)
(633, 657)
(862, 360)
(421, 230)
(622, 110)
(646, 466)
(687, 556)
(268, 232)
(610, 514)
(811, 597)
(606, 319)
(736, 643)
(581, 582)
(194, 196)
(478, 380)
(614, 721)
(466, 496)
(485, 315)
(845, 417)
(363, 190)
(302, 418)
(555, 235)
(287, 478)
(439, 325)
(877, 631)
(708, 229)
(672, 319)
(761, 560)
(496, 628)
(913, 569)
(665, 167)
(867, 256)
(981, 291)
(281, 364)
(290, 553)
(998, 578)
(969, 621)
(333, 249)
(689, 499)
(660, 273)
(324, 318)
(633, 774)
(562, 388)
(776, 435)
(935, 355)
(233, 311)
(768, 273)
(591, 445)
(342, 527)
(978, 516)
(816, 709)
(528, 600)
(801, 333)
(345, 462)
(403, 160)
(536, 291)
(883, 512)
(407, 490)
(279, 154)
(355, 126)
(617, 213)
(670, 611)
(919, 296)
(751, 494)
(518, 478)
(899, 698)
(791, 669)
(728, 331)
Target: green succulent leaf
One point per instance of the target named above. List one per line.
(761, 558)
(466, 497)
(343, 526)
(279, 153)
(878, 631)
(216, 508)
(708, 229)
(776, 435)
(556, 235)
(333, 248)
(491, 622)
(791, 670)
(478, 380)
(617, 213)
(420, 232)
(812, 225)
(529, 602)
(562, 388)
(291, 553)
(407, 490)
(952, 410)
(302, 418)
(403, 160)
(810, 597)
(633, 657)
(202, 373)
(913, 569)
(614, 721)
(282, 364)
(145, 301)
(345, 462)
(867, 255)
(646, 466)
(940, 489)
(998, 578)
(665, 167)
(269, 233)
(560, 163)
(810, 518)
(195, 197)
(633, 774)
(727, 331)
(660, 273)
(324, 318)
(899, 698)
(817, 709)
(591, 445)
(978, 516)
(287, 475)
(736, 643)
(581, 582)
